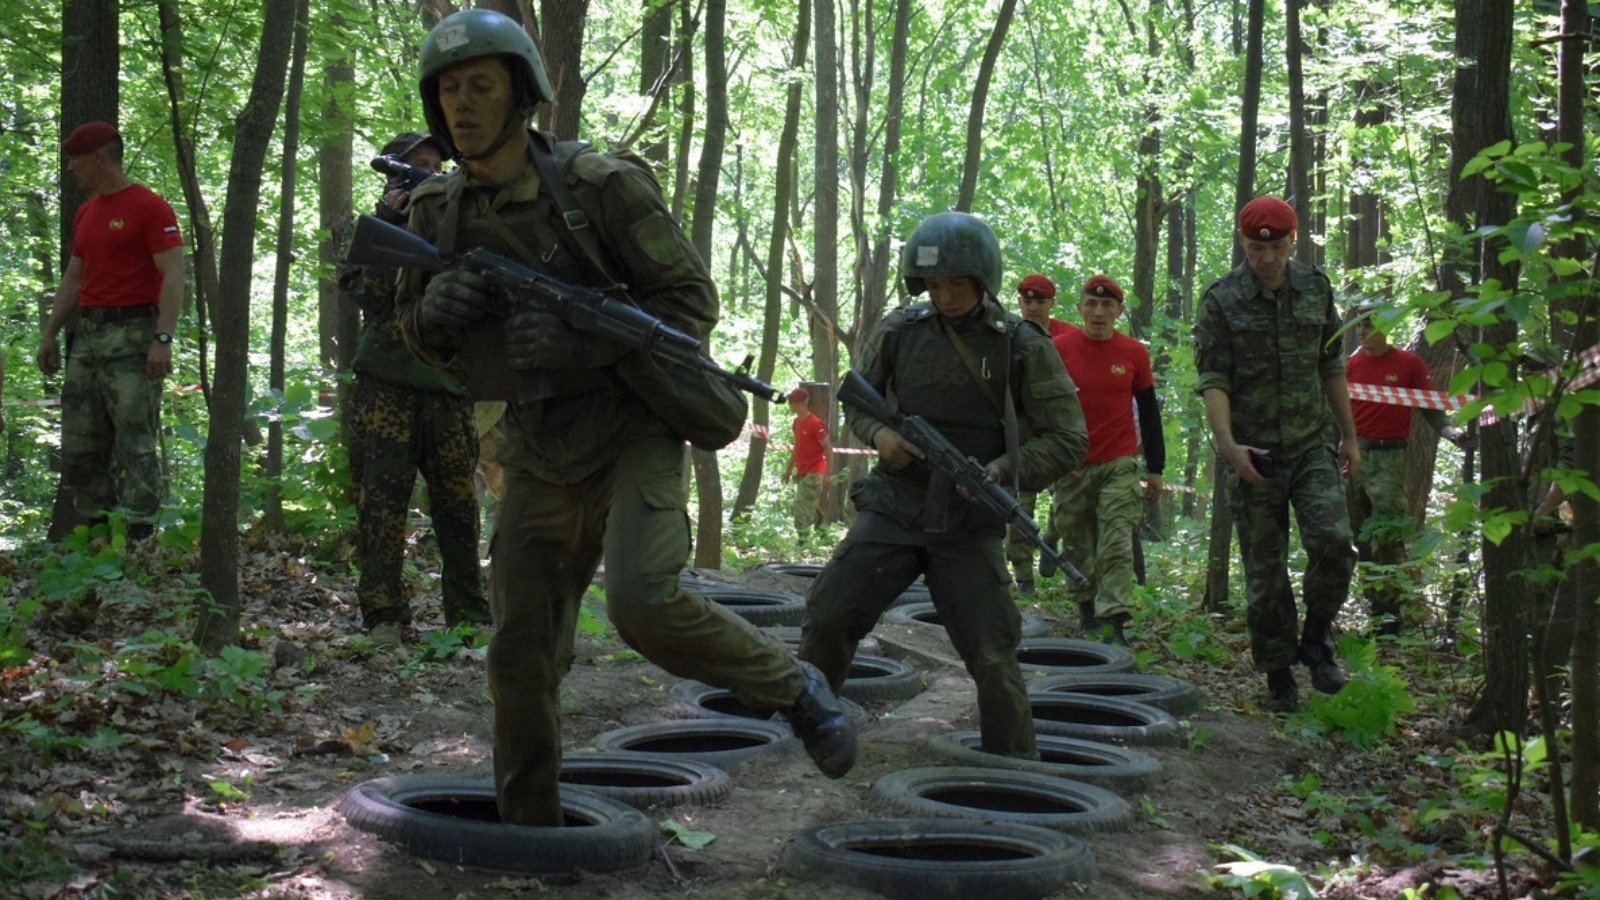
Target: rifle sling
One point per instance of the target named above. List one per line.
(1008, 410)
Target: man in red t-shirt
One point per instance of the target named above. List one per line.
(1097, 507)
(808, 464)
(124, 286)
(1036, 298)
(1376, 492)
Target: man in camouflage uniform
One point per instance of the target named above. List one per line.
(407, 417)
(124, 284)
(1271, 372)
(591, 470)
(1036, 298)
(982, 378)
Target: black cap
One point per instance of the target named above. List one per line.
(407, 141)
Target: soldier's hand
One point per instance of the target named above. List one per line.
(540, 340)
(454, 301)
(1242, 459)
(1152, 487)
(395, 207)
(48, 357)
(894, 449)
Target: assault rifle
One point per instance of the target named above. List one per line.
(398, 169)
(967, 474)
(518, 288)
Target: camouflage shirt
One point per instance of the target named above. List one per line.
(1269, 351)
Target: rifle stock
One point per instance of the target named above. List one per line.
(377, 243)
(967, 473)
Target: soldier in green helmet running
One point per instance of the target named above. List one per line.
(591, 471)
(972, 371)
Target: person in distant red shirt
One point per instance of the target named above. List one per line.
(808, 464)
(122, 292)
(1376, 493)
(1036, 298)
(1097, 507)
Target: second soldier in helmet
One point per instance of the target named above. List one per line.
(999, 393)
(591, 472)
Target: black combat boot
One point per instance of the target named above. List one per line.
(1318, 655)
(1117, 622)
(1087, 622)
(1282, 694)
(139, 532)
(819, 721)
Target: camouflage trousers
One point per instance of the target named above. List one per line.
(548, 539)
(1376, 497)
(1096, 510)
(110, 421)
(398, 431)
(1310, 483)
(967, 581)
(808, 502)
(1020, 550)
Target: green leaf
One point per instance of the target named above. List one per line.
(689, 838)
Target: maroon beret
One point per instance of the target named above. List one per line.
(1102, 286)
(1037, 286)
(1266, 219)
(88, 137)
(800, 394)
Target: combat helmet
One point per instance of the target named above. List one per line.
(473, 34)
(949, 244)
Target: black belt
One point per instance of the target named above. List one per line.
(105, 315)
(1365, 444)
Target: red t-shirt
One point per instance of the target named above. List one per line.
(117, 236)
(808, 435)
(1396, 368)
(1108, 373)
(1058, 328)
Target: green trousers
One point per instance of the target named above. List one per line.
(1377, 501)
(1096, 510)
(967, 579)
(110, 419)
(1020, 550)
(547, 542)
(1310, 483)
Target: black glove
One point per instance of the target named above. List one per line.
(540, 340)
(453, 301)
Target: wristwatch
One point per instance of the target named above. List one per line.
(163, 338)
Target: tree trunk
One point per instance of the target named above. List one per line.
(1147, 199)
(825, 231)
(1299, 138)
(980, 97)
(90, 91)
(655, 56)
(273, 511)
(1583, 579)
(1483, 34)
(218, 623)
(338, 322)
(708, 479)
(783, 196)
(563, 22)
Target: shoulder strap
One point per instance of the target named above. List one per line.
(575, 219)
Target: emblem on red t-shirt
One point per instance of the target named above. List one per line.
(1391, 378)
(1118, 369)
(116, 224)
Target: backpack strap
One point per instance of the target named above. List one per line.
(575, 219)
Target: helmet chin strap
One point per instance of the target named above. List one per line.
(515, 124)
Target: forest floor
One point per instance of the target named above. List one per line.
(215, 796)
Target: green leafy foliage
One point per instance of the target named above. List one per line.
(688, 837)
(1372, 702)
(1252, 876)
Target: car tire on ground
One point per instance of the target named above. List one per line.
(1059, 656)
(1091, 762)
(724, 743)
(455, 820)
(759, 608)
(1174, 695)
(880, 679)
(917, 859)
(924, 612)
(1109, 720)
(1003, 795)
(642, 780)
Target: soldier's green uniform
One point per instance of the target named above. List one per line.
(910, 523)
(111, 417)
(590, 472)
(407, 417)
(1270, 351)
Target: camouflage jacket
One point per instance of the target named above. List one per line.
(582, 428)
(912, 361)
(1270, 351)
